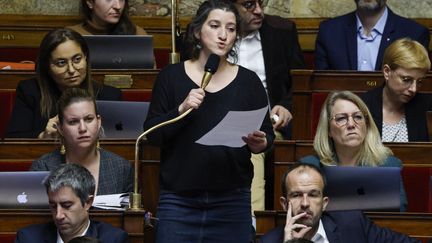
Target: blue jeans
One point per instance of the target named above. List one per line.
(204, 217)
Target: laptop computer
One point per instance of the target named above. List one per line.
(120, 51)
(122, 119)
(23, 189)
(363, 188)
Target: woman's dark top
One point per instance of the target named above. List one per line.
(26, 120)
(186, 165)
(415, 113)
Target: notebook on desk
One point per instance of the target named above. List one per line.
(23, 189)
(120, 51)
(363, 188)
(122, 119)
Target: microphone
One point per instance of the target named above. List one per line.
(210, 68)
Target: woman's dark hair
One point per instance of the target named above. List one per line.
(192, 43)
(71, 96)
(123, 27)
(48, 87)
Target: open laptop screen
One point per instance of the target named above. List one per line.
(120, 51)
(23, 189)
(122, 119)
(363, 188)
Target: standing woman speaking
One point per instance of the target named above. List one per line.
(205, 190)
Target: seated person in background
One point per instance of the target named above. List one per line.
(303, 188)
(71, 190)
(79, 126)
(104, 17)
(347, 136)
(357, 40)
(61, 63)
(397, 109)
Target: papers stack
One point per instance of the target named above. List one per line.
(112, 201)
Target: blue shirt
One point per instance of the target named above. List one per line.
(368, 45)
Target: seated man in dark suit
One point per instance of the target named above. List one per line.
(303, 189)
(71, 190)
(357, 40)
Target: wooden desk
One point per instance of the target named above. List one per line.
(415, 157)
(305, 83)
(132, 222)
(21, 30)
(416, 225)
(141, 79)
(24, 150)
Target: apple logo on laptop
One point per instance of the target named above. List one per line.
(119, 126)
(361, 191)
(22, 198)
(117, 60)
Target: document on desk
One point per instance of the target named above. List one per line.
(233, 127)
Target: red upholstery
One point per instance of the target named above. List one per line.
(7, 100)
(309, 59)
(15, 166)
(317, 102)
(417, 182)
(18, 54)
(7, 238)
(17, 65)
(136, 95)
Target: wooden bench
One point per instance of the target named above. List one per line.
(417, 225)
(21, 35)
(140, 79)
(17, 155)
(310, 88)
(131, 222)
(416, 172)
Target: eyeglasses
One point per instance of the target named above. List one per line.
(408, 81)
(341, 119)
(62, 65)
(250, 5)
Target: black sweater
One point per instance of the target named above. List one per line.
(187, 165)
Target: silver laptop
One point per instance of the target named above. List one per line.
(363, 188)
(23, 189)
(122, 119)
(120, 51)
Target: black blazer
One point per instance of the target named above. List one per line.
(415, 113)
(47, 233)
(347, 226)
(336, 43)
(26, 120)
(282, 52)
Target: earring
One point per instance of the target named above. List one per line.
(198, 46)
(97, 145)
(62, 149)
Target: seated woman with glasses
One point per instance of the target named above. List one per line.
(346, 136)
(63, 62)
(397, 109)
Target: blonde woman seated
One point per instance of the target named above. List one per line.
(79, 127)
(397, 109)
(347, 136)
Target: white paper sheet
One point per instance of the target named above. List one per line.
(111, 201)
(233, 127)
